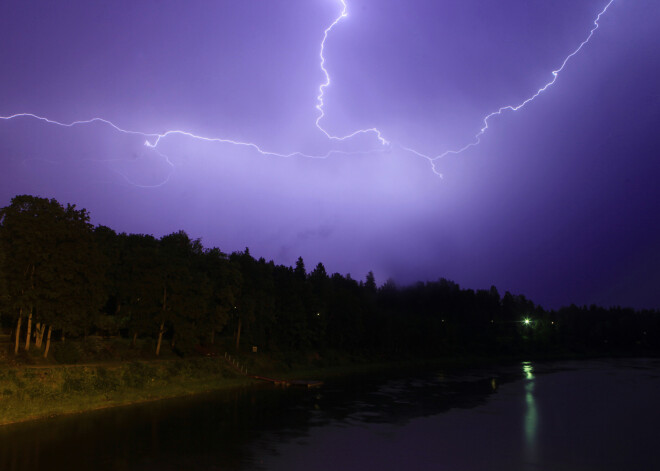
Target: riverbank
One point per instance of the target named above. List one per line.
(29, 392)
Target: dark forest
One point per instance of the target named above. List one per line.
(61, 277)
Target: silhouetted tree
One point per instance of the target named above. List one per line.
(54, 270)
(225, 284)
(59, 273)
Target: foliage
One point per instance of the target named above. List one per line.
(172, 291)
(52, 269)
(68, 352)
(106, 380)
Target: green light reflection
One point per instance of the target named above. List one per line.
(531, 412)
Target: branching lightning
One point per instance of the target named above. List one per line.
(157, 137)
(153, 139)
(484, 128)
(326, 84)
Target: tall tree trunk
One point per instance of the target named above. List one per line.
(35, 333)
(134, 337)
(238, 333)
(29, 331)
(18, 330)
(29, 326)
(41, 328)
(50, 329)
(162, 324)
(160, 337)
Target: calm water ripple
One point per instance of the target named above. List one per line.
(596, 415)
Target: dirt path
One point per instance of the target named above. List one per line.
(108, 364)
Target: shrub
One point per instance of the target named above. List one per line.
(185, 345)
(173, 368)
(13, 377)
(147, 347)
(74, 381)
(106, 380)
(67, 352)
(202, 367)
(136, 374)
(97, 349)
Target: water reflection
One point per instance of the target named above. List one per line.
(201, 433)
(519, 417)
(219, 430)
(531, 413)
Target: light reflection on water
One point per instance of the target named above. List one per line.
(569, 416)
(531, 412)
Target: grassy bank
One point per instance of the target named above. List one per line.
(32, 391)
(32, 388)
(35, 392)
(36, 389)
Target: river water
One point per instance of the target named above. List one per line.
(596, 415)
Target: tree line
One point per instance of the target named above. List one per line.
(61, 277)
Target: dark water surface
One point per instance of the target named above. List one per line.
(596, 415)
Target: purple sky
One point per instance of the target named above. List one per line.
(560, 201)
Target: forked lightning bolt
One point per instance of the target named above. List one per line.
(326, 84)
(156, 137)
(484, 128)
(152, 139)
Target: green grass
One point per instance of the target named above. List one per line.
(116, 373)
(30, 393)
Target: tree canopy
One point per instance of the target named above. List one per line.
(59, 272)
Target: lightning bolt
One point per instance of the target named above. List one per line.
(131, 182)
(157, 137)
(153, 139)
(326, 84)
(555, 75)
